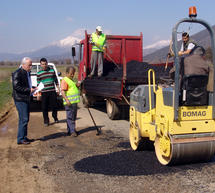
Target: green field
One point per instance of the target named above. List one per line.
(5, 85)
(6, 92)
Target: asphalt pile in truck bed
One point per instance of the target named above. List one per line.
(137, 70)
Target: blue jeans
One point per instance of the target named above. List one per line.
(71, 114)
(23, 112)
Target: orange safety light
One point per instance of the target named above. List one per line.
(192, 11)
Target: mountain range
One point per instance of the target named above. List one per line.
(57, 50)
(154, 53)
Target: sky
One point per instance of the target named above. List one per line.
(27, 25)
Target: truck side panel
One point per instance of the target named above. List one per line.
(97, 87)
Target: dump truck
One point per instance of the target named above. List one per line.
(123, 70)
(178, 117)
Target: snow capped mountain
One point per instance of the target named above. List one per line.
(67, 42)
(158, 45)
(56, 50)
(155, 46)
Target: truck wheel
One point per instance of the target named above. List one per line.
(112, 109)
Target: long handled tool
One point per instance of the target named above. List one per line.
(109, 56)
(167, 60)
(168, 56)
(112, 59)
(98, 130)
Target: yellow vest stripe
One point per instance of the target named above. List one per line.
(72, 93)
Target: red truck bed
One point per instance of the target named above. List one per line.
(120, 50)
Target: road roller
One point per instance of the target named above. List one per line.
(178, 117)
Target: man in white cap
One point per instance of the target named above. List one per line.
(98, 41)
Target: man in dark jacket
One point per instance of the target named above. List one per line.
(22, 90)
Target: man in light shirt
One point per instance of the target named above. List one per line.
(187, 45)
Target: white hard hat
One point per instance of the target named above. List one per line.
(99, 28)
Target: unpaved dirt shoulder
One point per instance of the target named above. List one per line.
(4, 113)
(20, 166)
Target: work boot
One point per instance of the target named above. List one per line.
(46, 124)
(56, 120)
(23, 142)
(74, 134)
(90, 75)
(99, 75)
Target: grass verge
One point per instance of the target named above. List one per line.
(5, 93)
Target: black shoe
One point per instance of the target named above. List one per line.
(29, 140)
(23, 142)
(56, 121)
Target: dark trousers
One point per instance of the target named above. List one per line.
(71, 115)
(23, 113)
(96, 56)
(49, 100)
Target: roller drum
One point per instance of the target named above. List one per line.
(187, 149)
(192, 152)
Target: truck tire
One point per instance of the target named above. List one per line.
(112, 109)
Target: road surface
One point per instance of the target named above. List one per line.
(56, 163)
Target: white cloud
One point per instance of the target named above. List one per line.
(70, 19)
(79, 32)
(158, 44)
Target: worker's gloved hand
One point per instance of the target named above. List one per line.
(78, 84)
(97, 45)
(170, 54)
(104, 49)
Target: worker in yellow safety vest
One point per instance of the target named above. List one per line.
(98, 42)
(71, 98)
